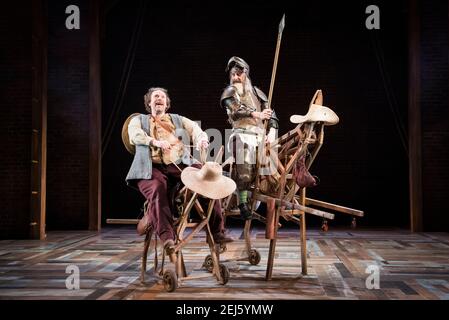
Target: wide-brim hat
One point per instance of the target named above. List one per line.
(317, 113)
(237, 62)
(208, 181)
(125, 136)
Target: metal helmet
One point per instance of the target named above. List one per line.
(237, 62)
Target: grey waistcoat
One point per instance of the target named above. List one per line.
(142, 167)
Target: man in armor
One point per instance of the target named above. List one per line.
(247, 108)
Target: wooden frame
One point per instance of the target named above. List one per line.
(288, 204)
(175, 274)
(172, 279)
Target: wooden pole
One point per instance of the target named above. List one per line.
(276, 60)
(303, 234)
(39, 121)
(414, 119)
(261, 151)
(94, 117)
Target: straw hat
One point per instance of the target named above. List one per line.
(125, 137)
(317, 113)
(208, 181)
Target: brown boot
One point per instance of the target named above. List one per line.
(169, 247)
(245, 212)
(144, 225)
(221, 238)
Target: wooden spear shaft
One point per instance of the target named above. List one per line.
(262, 151)
(276, 59)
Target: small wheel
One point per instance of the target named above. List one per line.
(224, 272)
(209, 263)
(325, 226)
(354, 223)
(254, 257)
(170, 280)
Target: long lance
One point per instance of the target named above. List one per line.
(275, 65)
(273, 75)
(270, 98)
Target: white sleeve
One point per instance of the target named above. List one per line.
(194, 130)
(136, 134)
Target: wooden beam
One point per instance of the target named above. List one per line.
(315, 212)
(414, 119)
(122, 221)
(331, 206)
(94, 117)
(38, 161)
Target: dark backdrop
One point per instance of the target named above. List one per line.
(363, 74)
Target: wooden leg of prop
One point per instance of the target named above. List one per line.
(303, 245)
(271, 254)
(211, 243)
(146, 246)
(271, 215)
(247, 236)
(303, 235)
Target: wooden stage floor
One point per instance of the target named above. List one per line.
(412, 266)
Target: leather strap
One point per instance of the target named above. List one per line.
(162, 124)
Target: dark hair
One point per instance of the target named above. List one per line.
(147, 98)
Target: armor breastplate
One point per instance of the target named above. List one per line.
(250, 100)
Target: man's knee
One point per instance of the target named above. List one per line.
(152, 188)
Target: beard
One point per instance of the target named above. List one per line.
(240, 88)
(159, 109)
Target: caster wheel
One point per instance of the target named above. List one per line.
(254, 257)
(209, 263)
(325, 226)
(170, 280)
(224, 272)
(354, 223)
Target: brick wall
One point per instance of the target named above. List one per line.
(435, 114)
(15, 119)
(68, 122)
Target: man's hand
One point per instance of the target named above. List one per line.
(164, 145)
(264, 115)
(202, 144)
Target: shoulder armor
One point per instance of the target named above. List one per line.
(261, 95)
(229, 92)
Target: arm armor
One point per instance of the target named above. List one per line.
(231, 101)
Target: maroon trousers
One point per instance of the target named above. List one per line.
(156, 191)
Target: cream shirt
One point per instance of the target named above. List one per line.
(137, 136)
